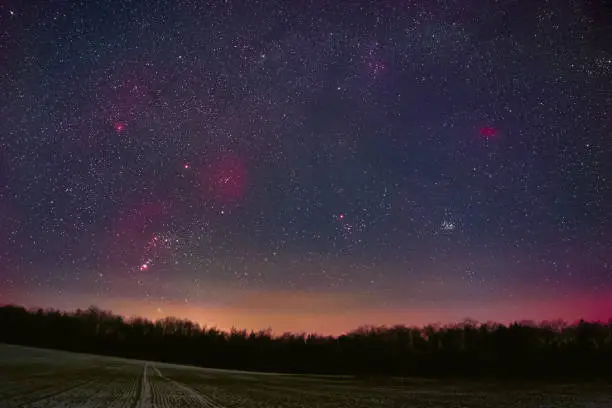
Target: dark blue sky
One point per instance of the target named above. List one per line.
(453, 155)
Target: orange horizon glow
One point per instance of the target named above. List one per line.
(338, 313)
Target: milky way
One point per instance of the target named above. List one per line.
(308, 165)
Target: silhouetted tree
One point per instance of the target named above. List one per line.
(548, 350)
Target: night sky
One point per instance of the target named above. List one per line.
(308, 165)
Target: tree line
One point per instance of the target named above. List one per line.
(546, 350)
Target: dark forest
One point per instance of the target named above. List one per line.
(548, 350)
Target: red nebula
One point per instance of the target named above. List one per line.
(488, 132)
(226, 178)
(119, 127)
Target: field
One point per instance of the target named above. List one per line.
(43, 378)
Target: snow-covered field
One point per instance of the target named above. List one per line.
(44, 378)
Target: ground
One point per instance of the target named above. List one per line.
(44, 378)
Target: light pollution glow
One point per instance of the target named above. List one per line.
(337, 313)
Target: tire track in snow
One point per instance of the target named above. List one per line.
(144, 393)
(204, 400)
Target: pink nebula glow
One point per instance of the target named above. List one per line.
(488, 132)
(119, 127)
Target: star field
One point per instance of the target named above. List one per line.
(307, 165)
